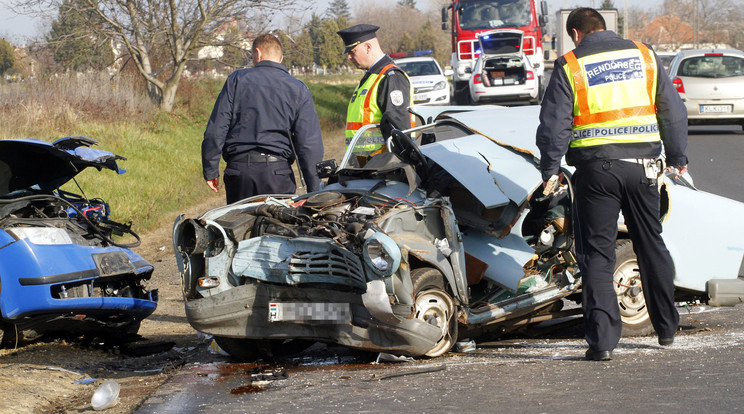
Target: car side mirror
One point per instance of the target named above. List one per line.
(449, 72)
(326, 168)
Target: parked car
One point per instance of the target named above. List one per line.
(711, 84)
(502, 73)
(430, 84)
(666, 58)
(65, 266)
(445, 238)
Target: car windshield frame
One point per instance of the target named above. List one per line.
(711, 66)
(420, 68)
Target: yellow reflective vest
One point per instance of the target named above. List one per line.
(614, 94)
(363, 110)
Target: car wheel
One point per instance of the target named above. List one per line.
(540, 92)
(629, 290)
(244, 349)
(132, 328)
(435, 306)
(462, 93)
(8, 335)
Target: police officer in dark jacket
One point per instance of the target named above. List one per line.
(608, 107)
(262, 121)
(384, 93)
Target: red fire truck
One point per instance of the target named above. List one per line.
(470, 17)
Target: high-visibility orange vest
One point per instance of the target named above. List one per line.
(614, 97)
(363, 110)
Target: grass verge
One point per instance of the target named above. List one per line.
(163, 154)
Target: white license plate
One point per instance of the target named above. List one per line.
(420, 97)
(309, 311)
(716, 109)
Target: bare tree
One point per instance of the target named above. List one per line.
(161, 36)
(395, 21)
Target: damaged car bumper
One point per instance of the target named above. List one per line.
(258, 310)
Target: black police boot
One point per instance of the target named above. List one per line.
(666, 341)
(598, 355)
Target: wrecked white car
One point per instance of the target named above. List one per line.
(443, 237)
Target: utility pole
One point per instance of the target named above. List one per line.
(625, 20)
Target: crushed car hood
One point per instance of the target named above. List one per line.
(499, 164)
(32, 163)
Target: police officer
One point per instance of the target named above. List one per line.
(262, 120)
(608, 107)
(384, 93)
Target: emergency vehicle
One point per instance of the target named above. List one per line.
(471, 17)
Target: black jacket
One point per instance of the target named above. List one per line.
(259, 109)
(394, 80)
(556, 116)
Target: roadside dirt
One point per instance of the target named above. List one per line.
(60, 377)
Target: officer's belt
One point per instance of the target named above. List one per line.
(256, 156)
(641, 161)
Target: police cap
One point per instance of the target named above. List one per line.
(354, 35)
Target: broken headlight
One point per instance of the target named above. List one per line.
(381, 254)
(42, 235)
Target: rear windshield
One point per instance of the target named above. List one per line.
(500, 44)
(419, 68)
(718, 66)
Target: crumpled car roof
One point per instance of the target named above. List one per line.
(33, 163)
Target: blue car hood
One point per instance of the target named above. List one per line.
(32, 163)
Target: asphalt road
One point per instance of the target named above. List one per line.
(716, 155)
(701, 372)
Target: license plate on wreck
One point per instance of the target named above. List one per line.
(309, 311)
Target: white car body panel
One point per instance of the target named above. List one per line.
(491, 172)
(505, 257)
(701, 230)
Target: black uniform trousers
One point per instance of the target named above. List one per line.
(252, 174)
(603, 189)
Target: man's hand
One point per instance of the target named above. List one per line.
(677, 170)
(214, 184)
(552, 184)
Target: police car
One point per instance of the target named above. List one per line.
(502, 73)
(430, 85)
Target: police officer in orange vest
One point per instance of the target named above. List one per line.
(608, 107)
(384, 93)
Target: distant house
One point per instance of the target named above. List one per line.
(671, 33)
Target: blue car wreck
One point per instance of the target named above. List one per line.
(447, 235)
(64, 268)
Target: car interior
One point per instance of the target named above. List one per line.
(712, 67)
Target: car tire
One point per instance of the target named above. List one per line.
(462, 93)
(434, 305)
(540, 92)
(248, 350)
(627, 283)
(132, 328)
(8, 335)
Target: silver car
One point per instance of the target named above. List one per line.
(711, 84)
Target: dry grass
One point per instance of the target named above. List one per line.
(56, 106)
(162, 149)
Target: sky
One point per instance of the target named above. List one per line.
(20, 29)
